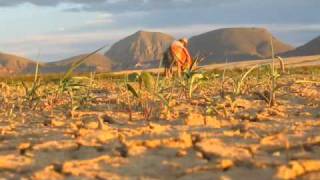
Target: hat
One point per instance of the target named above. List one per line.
(184, 40)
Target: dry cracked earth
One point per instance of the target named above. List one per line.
(246, 140)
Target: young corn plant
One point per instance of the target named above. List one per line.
(82, 87)
(193, 78)
(147, 93)
(273, 76)
(238, 87)
(193, 81)
(31, 93)
(79, 92)
(70, 85)
(64, 81)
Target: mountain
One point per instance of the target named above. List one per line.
(236, 44)
(96, 63)
(11, 64)
(311, 48)
(140, 49)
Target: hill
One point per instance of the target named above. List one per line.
(11, 64)
(310, 48)
(236, 44)
(96, 63)
(140, 49)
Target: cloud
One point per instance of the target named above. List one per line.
(127, 4)
(56, 46)
(200, 11)
(105, 18)
(47, 2)
(120, 6)
(138, 5)
(294, 21)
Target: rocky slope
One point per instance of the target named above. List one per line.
(236, 44)
(94, 63)
(140, 49)
(11, 64)
(310, 48)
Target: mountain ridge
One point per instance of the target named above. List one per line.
(144, 49)
(13, 64)
(310, 48)
(141, 48)
(236, 44)
(94, 63)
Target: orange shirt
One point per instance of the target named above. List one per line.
(181, 54)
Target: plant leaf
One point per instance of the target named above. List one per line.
(78, 63)
(240, 83)
(194, 82)
(133, 77)
(132, 90)
(148, 81)
(163, 100)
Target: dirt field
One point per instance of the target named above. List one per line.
(93, 128)
(303, 61)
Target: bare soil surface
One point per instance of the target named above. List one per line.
(303, 61)
(242, 139)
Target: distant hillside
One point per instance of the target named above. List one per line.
(236, 44)
(142, 48)
(311, 48)
(11, 64)
(95, 63)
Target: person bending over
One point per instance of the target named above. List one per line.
(179, 55)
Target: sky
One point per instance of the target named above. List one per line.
(49, 30)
